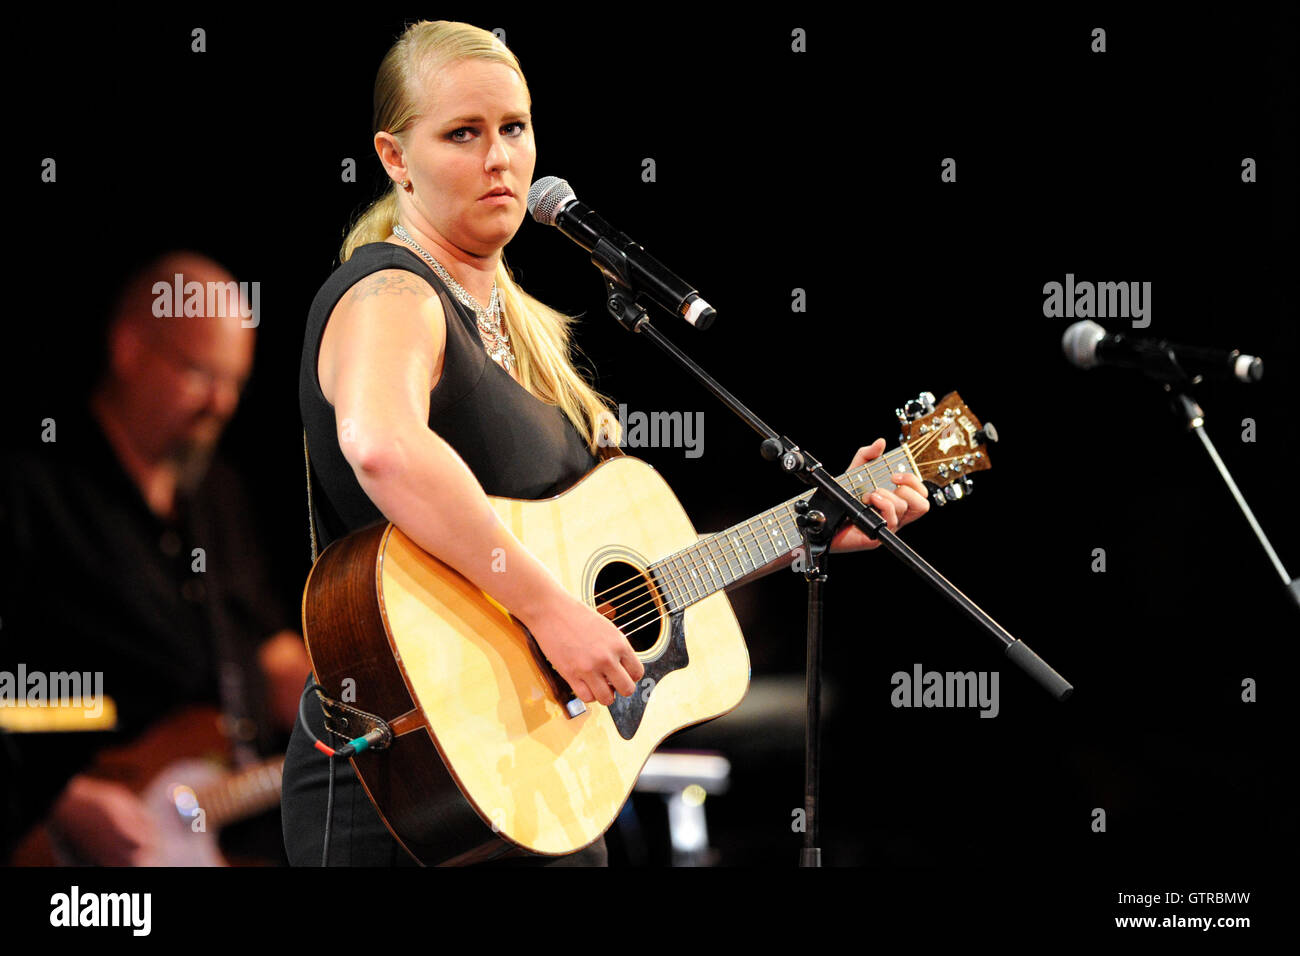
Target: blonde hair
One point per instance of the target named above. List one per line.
(539, 334)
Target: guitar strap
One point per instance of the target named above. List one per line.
(311, 509)
(336, 712)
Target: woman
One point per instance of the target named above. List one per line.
(430, 380)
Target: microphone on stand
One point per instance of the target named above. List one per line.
(1087, 345)
(552, 203)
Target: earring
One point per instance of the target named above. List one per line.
(406, 184)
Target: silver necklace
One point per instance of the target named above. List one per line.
(495, 337)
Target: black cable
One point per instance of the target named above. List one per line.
(316, 742)
(329, 816)
(302, 714)
(377, 737)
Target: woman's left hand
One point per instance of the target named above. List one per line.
(898, 507)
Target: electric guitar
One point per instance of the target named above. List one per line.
(181, 770)
(491, 750)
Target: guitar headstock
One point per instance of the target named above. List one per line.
(947, 442)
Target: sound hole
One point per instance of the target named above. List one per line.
(626, 596)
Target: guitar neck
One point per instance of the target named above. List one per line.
(242, 794)
(720, 560)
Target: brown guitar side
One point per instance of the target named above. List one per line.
(344, 629)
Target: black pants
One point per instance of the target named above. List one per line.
(357, 837)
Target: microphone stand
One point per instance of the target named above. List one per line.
(1186, 408)
(1161, 364)
(819, 517)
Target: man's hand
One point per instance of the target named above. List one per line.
(284, 662)
(104, 823)
(898, 507)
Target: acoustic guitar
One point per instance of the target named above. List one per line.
(491, 750)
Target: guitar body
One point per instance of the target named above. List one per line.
(484, 750)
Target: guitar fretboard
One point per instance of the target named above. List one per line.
(242, 794)
(720, 560)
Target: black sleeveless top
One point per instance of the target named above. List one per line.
(515, 444)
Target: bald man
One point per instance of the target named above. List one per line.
(173, 381)
(137, 557)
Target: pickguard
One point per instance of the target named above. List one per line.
(628, 711)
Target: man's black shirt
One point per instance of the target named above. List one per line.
(94, 581)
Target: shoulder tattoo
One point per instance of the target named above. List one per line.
(402, 283)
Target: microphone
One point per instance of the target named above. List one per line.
(1086, 344)
(552, 203)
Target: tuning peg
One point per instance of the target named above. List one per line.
(960, 488)
(916, 409)
(936, 494)
(986, 435)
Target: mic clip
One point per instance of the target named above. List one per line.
(1161, 363)
(622, 304)
(612, 261)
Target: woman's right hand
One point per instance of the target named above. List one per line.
(585, 648)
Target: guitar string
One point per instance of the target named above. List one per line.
(685, 580)
(652, 613)
(707, 586)
(679, 577)
(693, 586)
(688, 583)
(676, 579)
(696, 587)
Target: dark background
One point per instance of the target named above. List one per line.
(819, 170)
